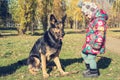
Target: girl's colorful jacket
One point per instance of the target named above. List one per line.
(96, 33)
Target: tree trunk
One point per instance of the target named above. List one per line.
(45, 22)
(21, 32)
(32, 28)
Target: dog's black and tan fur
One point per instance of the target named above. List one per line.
(48, 47)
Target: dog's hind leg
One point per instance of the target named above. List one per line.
(34, 65)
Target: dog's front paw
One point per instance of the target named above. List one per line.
(45, 76)
(65, 73)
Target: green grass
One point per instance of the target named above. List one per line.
(15, 49)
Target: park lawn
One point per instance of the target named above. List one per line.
(114, 32)
(14, 51)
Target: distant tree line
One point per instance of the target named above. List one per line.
(28, 15)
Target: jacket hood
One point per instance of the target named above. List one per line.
(100, 14)
(87, 8)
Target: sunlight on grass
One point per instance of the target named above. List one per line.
(15, 49)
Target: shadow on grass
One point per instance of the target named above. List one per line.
(104, 62)
(13, 34)
(65, 63)
(37, 34)
(76, 32)
(8, 32)
(115, 30)
(6, 35)
(10, 69)
(8, 28)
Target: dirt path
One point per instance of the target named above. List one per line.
(113, 45)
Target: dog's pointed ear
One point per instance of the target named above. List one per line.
(52, 18)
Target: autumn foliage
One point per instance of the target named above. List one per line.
(34, 14)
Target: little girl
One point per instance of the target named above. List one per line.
(95, 37)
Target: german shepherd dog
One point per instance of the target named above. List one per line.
(48, 47)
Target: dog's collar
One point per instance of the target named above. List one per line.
(51, 38)
(54, 43)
